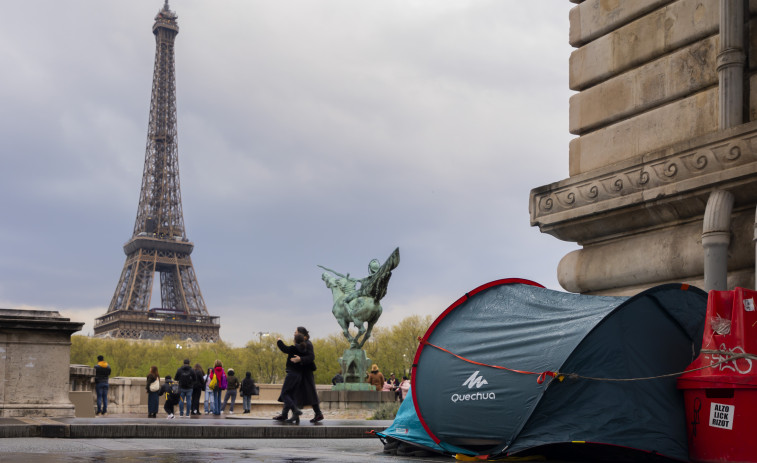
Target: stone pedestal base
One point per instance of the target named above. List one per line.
(353, 387)
(356, 400)
(354, 364)
(34, 367)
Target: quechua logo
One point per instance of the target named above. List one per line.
(476, 381)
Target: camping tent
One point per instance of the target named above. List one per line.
(407, 428)
(511, 366)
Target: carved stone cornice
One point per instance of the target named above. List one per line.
(651, 190)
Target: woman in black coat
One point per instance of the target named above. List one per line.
(292, 379)
(306, 393)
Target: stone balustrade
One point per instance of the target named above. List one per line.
(129, 396)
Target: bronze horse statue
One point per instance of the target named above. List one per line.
(360, 306)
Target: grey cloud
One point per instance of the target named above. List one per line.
(310, 133)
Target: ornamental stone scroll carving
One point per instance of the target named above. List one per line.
(647, 173)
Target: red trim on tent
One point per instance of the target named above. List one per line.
(506, 281)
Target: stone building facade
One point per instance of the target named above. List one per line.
(662, 183)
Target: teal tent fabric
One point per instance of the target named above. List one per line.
(407, 428)
(485, 410)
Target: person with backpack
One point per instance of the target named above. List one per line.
(185, 376)
(217, 384)
(248, 389)
(171, 389)
(232, 384)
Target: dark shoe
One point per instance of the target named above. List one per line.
(280, 417)
(295, 419)
(317, 418)
(391, 446)
(409, 450)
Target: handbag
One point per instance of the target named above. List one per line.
(213, 382)
(255, 390)
(155, 385)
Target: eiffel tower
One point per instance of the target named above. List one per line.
(159, 243)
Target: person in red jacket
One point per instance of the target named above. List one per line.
(220, 386)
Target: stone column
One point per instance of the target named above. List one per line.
(35, 353)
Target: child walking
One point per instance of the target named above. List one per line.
(171, 389)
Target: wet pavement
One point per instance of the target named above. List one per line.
(37, 450)
(201, 427)
(207, 438)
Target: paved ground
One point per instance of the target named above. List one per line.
(38, 450)
(197, 427)
(129, 438)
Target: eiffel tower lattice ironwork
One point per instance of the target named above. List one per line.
(159, 243)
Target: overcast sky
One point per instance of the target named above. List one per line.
(310, 132)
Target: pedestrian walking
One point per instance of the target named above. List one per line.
(292, 379)
(307, 393)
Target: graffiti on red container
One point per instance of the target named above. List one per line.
(742, 366)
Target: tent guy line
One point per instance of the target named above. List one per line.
(727, 356)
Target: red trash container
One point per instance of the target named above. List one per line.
(721, 400)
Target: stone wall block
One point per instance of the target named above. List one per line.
(673, 253)
(645, 39)
(741, 278)
(594, 18)
(671, 77)
(675, 122)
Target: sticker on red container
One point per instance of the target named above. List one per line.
(721, 416)
(749, 305)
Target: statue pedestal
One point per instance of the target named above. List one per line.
(34, 367)
(354, 364)
(353, 387)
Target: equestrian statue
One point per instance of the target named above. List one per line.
(360, 305)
